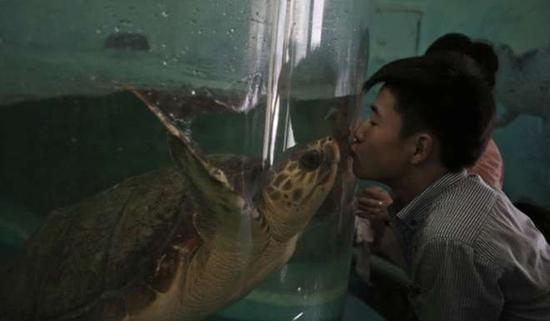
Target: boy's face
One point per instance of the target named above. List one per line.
(378, 151)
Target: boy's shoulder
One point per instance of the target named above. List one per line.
(462, 211)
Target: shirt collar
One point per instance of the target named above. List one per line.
(415, 212)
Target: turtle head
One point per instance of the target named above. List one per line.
(298, 186)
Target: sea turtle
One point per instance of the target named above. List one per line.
(177, 243)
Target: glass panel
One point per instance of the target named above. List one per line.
(101, 216)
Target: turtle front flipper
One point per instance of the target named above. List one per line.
(220, 206)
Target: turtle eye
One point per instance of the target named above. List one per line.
(311, 160)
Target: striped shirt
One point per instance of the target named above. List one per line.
(472, 255)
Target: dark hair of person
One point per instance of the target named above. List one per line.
(445, 95)
(481, 52)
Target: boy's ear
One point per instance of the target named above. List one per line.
(422, 146)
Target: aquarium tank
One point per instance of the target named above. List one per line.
(243, 213)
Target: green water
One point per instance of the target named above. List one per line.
(300, 291)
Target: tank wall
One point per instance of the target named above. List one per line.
(83, 25)
(164, 43)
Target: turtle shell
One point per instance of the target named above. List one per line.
(118, 240)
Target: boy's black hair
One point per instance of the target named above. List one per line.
(446, 95)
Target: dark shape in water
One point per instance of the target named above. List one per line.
(127, 41)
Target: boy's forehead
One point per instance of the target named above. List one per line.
(377, 99)
(385, 101)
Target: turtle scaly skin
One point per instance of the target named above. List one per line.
(178, 243)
